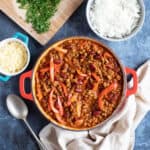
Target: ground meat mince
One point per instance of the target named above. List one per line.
(79, 83)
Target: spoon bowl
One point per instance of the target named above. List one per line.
(16, 107)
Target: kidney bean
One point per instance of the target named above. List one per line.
(81, 56)
(91, 66)
(110, 66)
(63, 75)
(56, 78)
(80, 78)
(57, 61)
(89, 86)
(116, 68)
(78, 90)
(96, 113)
(91, 52)
(79, 82)
(97, 56)
(112, 97)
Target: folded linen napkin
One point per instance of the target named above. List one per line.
(117, 134)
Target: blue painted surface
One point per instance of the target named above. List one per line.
(13, 133)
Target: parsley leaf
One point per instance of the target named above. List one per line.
(39, 12)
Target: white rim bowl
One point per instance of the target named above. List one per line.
(28, 56)
(133, 33)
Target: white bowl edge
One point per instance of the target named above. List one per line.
(28, 55)
(133, 33)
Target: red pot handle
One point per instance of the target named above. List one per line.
(132, 90)
(23, 93)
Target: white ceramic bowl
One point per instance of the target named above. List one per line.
(133, 33)
(28, 56)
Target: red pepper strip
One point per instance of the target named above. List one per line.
(64, 88)
(69, 101)
(72, 98)
(95, 87)
(110, 66)
(57, 67)
(52, 69)
(60, 106)
(96, 77)
(60, 119)
(81, 74)
(107, 55)
(44, 70)
(60, 49)
(51, 102)
(112, 86)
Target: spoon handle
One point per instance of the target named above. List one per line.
(35, 136)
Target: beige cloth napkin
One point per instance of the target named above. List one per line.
(117, 134)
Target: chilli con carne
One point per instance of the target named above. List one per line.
(79, 83)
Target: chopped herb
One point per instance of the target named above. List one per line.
(39, 12)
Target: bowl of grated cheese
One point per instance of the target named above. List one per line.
(115, 20)
(14, 56)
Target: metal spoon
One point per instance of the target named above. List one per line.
(19, 110)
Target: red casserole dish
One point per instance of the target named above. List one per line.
(51, 90)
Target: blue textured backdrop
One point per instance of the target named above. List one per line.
(13, 133)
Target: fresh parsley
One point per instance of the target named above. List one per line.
(39, 12)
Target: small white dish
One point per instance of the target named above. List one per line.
(22, 40)
(133, 33)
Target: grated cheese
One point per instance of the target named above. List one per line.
(115, 18)
(13, 57)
